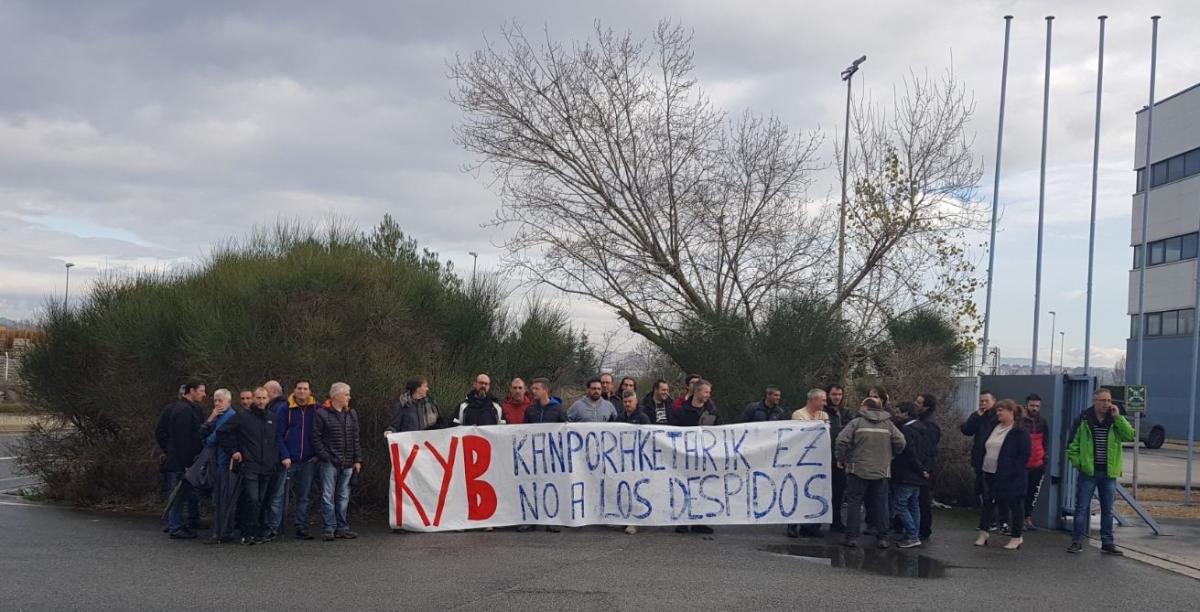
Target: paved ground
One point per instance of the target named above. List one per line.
(1166, 466)
(10, 477)
(62, 559)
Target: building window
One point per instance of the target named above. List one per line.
(1168, 250)
(1169, 170)
(1167, 323)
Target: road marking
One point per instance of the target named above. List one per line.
(7, 503)
(15, 478)
(6, 458)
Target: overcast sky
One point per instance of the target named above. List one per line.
(134, 135)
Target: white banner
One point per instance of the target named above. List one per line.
(610, 473)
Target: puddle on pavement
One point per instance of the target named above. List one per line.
(890, 562)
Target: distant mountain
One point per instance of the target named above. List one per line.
(9, 323)
(1015, 361)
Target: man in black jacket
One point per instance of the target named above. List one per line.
(909, 474)
(480, 407)
(250, 440)
(766, 409)
(336, 440)
(980, 425)
(545, 407)
(698, 411)
(657, 403)
(178, 435)
(932, 432)
(839, 416)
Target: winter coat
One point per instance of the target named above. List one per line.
(931, 434)
(838, 418)
(909, 466)
(212, 438)
(1081, 450)
(981, 427)
(294, 427)
(336, 436)
(690, 416)
(585, 410)
(178, 434)
(658, 413)
(552, 412)
(637, 417)
(514, 409)
(251, 433)
(1038, 430)
(868, 443)
(759, 411)
(479, 410)
(1012, 479)
(414, 414)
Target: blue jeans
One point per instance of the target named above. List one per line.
(300, 478)
(907, 499)
(175, 516)
(335, 497)
(1085, 487)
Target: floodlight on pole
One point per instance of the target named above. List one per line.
(847, 76)
(474, 264)
(67, 288)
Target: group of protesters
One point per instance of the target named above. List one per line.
(883, 453)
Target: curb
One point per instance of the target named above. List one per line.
(1167, 562)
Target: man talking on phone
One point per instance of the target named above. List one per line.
(1095, 450)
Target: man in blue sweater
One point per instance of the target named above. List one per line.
(294, 431)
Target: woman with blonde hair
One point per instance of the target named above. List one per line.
(1004, 478)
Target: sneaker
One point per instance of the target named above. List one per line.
(908, 543)
(1075, 548)
(270, 537)
(249, 541)
(631, 529)
(681, 529)
(182, 534)
(881, 544)
(705, 529)
(303, 534)
(524, 528)
(850, 543)
(328, 536)
(401, 531)
(345, 534)
(553, 528)
(1111, 549)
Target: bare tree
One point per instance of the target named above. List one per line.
(914, 177)
(624, 184)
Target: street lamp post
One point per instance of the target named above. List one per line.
(847, 76)
(67, 289)
(1062, 341)
(474, 264)
(1053, 320)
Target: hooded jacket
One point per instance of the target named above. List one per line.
(294, 427)
(414, 414)
(659, 413)
(868, 443)
(251, 433)
(584, 410)
(336, 436)
(552, 412)
(690, 416)
(909, 466)
(514, 410)
(479, 410)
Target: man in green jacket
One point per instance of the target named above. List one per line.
(1095, 450)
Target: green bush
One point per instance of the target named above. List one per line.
(369, 310)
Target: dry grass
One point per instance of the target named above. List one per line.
(1164, 503)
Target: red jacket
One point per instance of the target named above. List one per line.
(1037, 437)
(514, 410)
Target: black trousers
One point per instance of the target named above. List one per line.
(872, 493)
(1036, 475)
(926, 501)
(255, 488)
(1011, 509)
(839, 495)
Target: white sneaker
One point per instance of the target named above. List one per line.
(631, 529)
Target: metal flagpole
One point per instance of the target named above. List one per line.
(1146, 181)
(1187, 484)
(1087, 325)
(987, 308)
(1037, 289)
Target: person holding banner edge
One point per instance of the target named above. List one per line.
(698, 411)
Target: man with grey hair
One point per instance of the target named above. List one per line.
(249, 438)
(336, 441)
(222, 529)
(813, 410)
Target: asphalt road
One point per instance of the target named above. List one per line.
(1166, 466)
(53, 558)
(10, 477)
